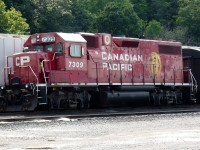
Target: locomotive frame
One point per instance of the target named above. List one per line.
(83, 70)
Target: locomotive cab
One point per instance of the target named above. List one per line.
(56, 52)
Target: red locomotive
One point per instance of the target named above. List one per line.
(82, 70)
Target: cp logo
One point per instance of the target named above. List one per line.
(154, 63)
(20, 61)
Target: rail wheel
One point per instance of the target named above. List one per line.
(27, 102)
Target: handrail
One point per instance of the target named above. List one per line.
(1, 74)
(8, 72)
(43, 70)
(6, 68)
(143, 70)
(42, 65)
(33, 74)
(194, 85)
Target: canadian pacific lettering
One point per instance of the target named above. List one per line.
(109, 66)
(121, 57)
(128, 58)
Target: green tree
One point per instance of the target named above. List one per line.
(141, 8)
(27, 8)
(12, 20)
(15, 22)
(96, 6)
(163, 11)
(177, 34)
(82, 17)
(3, 19)
(119, 18)
(51, 16)
(188, 16)
(45, 15)
(154, 30)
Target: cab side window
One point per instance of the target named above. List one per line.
(59, 48)
(75, 50)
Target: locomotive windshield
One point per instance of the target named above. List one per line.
(44, 48)
(49, 48)
(38, 48)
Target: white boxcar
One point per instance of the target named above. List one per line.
(9, 44)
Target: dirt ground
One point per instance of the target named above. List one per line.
(147, 132)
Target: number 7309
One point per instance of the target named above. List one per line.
(73, 64)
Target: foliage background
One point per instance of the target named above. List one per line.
(155, 19)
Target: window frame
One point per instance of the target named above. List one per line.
(75, 50)
(60, 44)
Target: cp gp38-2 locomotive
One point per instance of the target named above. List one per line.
(83, 70)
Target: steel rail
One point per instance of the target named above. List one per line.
(90, 113)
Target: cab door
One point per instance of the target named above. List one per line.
(76, 63)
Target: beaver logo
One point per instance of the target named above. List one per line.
(154, 64)
(107, 40)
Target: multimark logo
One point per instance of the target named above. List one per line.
(20, 61)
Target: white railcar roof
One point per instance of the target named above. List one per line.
(72, 37)
(191, 48)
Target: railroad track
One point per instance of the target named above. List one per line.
(108, 112)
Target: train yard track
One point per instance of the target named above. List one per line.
(108, 112)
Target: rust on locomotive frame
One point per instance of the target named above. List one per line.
(82, 70)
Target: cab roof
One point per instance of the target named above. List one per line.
(71, 37)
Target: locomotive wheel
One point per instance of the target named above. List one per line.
(53, 103)
(26, 102)
(69, 100)
(83, 100)
(64, 103)
(57, 100)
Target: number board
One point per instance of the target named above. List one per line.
(48, 39)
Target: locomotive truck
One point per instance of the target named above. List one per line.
(84, 70)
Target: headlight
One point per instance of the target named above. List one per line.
(26, 86)
(2, 87)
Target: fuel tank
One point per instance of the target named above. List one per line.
(134, 88)
(123, 98)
